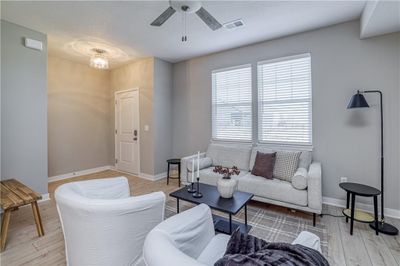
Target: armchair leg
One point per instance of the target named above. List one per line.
(314, 218)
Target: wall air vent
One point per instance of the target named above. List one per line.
(232, 25)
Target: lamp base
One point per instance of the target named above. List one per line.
(385, 228)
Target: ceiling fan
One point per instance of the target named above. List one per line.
(187, 7)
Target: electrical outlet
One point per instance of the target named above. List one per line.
(343, 179)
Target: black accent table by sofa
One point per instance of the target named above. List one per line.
(177, 162)
(212, 198)
(354, 189)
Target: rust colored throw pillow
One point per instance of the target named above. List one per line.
(264, 165)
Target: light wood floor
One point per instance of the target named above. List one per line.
(25, 248)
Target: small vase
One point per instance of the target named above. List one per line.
(226, 187)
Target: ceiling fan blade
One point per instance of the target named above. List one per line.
(208, 19)
(163, 17)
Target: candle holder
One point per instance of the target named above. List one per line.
(197, 194)
(191, 188)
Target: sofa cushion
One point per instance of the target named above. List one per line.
(264, 164)
(304, 160)
(286, 164)
(203, 163)
(228, 156)
(299, 179)
(274, 189)
(207, 176)
(214, 250)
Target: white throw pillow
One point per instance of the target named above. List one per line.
(286, 164)
(299, 180)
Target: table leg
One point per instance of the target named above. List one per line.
(179, 175)
(177, 205)
(230, 224)
(353, 205)
(347, 205)
(376, 214)
(168, 175)
(4, 228)
(38, 220)
(245, 215)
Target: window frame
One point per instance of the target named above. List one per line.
(281, 143)
(219, 140)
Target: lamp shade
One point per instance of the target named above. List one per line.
(357, 101)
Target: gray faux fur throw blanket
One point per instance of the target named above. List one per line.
(248, 250)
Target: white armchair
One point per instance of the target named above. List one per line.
(103, 224)
(188, 238)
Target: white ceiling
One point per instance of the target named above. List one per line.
(380, 17)
(125, 24)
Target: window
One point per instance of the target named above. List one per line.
(232, 104)
(284, 100)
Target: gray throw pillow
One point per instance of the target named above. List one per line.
(286, 164)
(264, 165)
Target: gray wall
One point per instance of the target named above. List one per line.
(78, 117)
(138, 74)
(23, 107)
(345, 141)
(162, 106)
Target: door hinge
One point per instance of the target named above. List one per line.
(115, 102)
(116, 160)
(116, 131)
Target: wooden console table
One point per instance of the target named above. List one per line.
(14, 195)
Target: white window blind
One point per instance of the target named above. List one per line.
(284, 100)
(232, 104)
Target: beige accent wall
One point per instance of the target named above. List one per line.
(138, 74)
(78, 117)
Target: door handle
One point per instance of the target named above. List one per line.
(135, 132)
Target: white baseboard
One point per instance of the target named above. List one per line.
(393, 213)
(80, 173)
(153, 177)
(103, 168)
(45, 197)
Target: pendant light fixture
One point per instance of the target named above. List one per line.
(99, 59)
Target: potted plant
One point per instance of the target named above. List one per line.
(226, 186)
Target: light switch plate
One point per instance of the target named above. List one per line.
(343, 179)
(146, 127)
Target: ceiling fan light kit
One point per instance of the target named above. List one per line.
(99, 59)
(187, 7)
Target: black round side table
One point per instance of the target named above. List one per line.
(354, 189)
(177, 162)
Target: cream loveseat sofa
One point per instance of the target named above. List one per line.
(307, 197)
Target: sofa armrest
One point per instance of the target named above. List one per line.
(184, 166)
(204, 162)
(315, 187)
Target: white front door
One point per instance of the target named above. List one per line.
(127, 131)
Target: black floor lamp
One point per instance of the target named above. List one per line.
(358, 101)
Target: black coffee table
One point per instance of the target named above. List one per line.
(212, 198)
